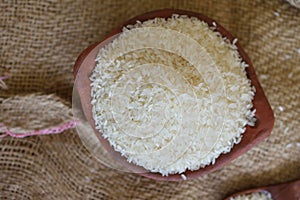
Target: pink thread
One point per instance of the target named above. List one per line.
(48, 131)
(3, 77)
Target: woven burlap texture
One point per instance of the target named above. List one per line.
(39, 43)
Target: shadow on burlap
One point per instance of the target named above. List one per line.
(39, 43)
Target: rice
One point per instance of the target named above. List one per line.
(234, 41)
(254, 196)
(183, 177)
(171, 94)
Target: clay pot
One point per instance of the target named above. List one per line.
(284, 191)
(253, 135)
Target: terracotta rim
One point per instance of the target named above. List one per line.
(252, 135)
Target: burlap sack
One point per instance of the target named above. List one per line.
(39, 43)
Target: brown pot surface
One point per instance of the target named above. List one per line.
(252, 136)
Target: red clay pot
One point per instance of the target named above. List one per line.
(252, 136)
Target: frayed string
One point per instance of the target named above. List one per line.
(48, 131)
(2, 83)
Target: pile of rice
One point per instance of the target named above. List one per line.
(254, 196)
(171, 94)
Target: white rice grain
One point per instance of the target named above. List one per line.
(277, 14)
(281, 108)
(183, 177)
(234, 41)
